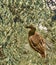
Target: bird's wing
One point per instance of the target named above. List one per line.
(38, 39)
(37, 43)
(32, 44)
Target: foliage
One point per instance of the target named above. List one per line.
(14, 15)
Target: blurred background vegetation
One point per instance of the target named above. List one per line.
(14, 15)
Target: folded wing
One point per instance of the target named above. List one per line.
(38, 44)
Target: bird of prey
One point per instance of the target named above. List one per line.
(36, 41)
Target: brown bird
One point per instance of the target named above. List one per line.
(36, 41)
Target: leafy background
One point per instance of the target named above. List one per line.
(14, 15)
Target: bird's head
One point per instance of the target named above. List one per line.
(30, 27)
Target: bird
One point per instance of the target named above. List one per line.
(36, 41)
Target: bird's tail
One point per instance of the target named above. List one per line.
(43, 55)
